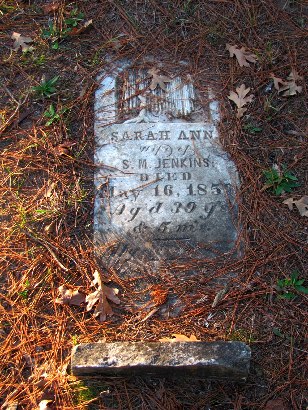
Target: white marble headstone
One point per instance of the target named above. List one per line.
(164, 186)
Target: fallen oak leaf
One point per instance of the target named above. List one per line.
(289, 202)
(277, 81)
(301, 204)
(243, 57)
(240, 99)
(21, 41)
(47, 8)
(68, 296)
(100, 297)
(289, 87)
(158, 79)
(294, 76)
(177, 337)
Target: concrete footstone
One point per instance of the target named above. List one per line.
(214, 360)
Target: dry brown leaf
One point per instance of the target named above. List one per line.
(48, 8)
(240, 99)
(276, 404)
(44, 405)
(21, 41)
(289, 87)
(64, 148)
(289, 202)
(158, 79)
(179, 338)
(277, 81)
(50, 189)
(243, 57)
(294, 76)
(301, 204)
(75, 31)
(100, 297)
(68, 296)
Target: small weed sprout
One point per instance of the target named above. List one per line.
(46, 88)
(55, 34)
(25, 291)
(278, 333)
(74, 18)
(279, 181)
(39, 60)
(289, 285)
(33, 59)
(251, 128)
(53, 115)
(75, 340)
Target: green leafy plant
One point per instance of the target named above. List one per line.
(252, 129)
(39, 60)
(55, 34)
(30, 58)
(52, 114)
(279, 181)
(278, 333)
(25, 291)
(289, 285)
(74, 18)
(46, 88)
(5, 8)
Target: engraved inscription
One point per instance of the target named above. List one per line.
(164, 182)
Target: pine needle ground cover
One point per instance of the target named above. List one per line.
(253, 54)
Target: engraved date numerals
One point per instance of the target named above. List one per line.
(192, 189)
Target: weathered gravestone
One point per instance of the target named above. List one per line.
(165, 191)
(165, 187)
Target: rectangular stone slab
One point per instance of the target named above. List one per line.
(215, 360)
(168, 186)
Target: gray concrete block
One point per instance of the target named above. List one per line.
(215, 360)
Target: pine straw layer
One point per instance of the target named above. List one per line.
(46, 235)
